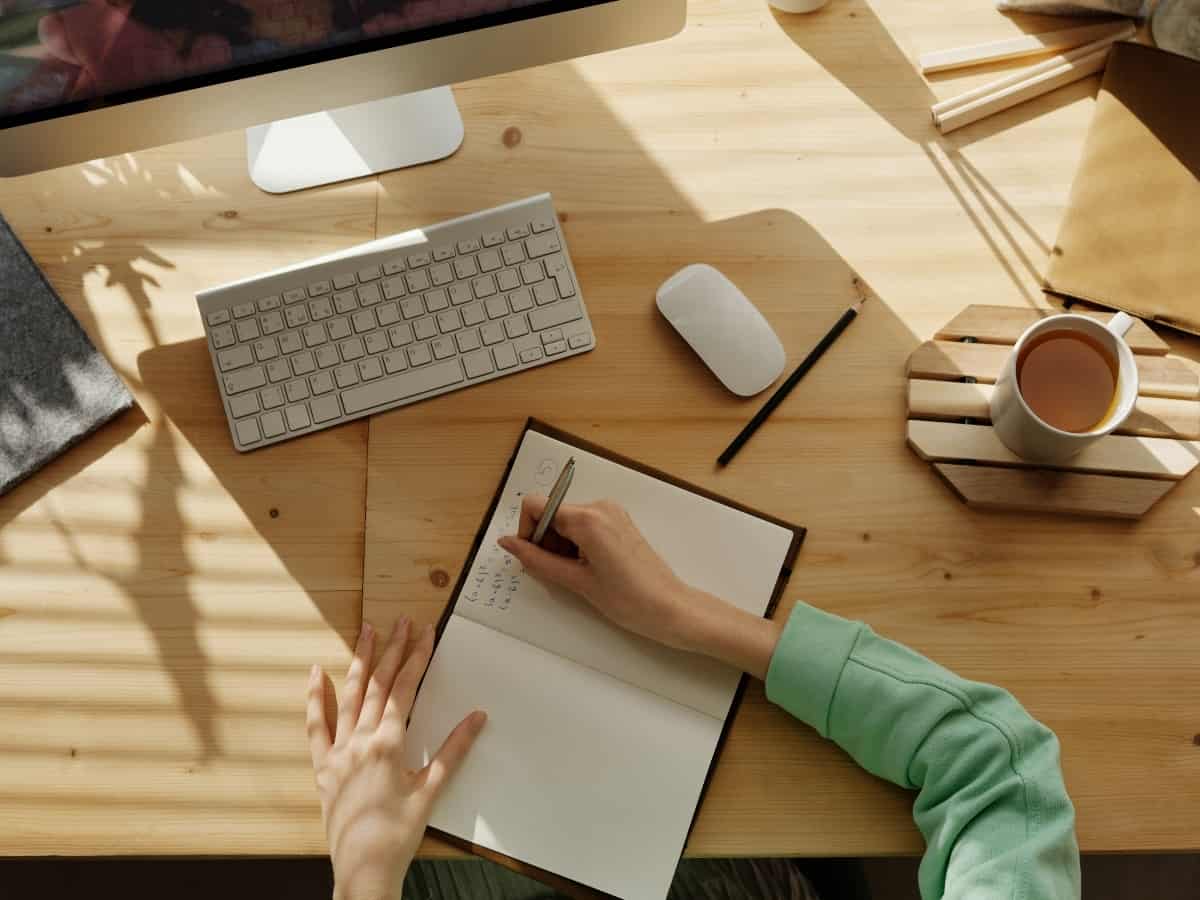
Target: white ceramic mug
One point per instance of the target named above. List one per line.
(797, 6)
(1023, 432)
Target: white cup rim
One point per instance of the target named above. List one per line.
(1124, 355)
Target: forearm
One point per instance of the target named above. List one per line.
(711, 627)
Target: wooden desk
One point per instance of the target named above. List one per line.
(162, 596)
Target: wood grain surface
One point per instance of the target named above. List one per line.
(158, 619)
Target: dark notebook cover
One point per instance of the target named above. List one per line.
(55, 387)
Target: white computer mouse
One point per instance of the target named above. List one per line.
(723, 327)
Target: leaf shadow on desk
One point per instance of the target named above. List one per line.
(855, 47)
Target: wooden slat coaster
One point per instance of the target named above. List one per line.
(1122, 475)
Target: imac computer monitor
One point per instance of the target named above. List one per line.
(327, 89)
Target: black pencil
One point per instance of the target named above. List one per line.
(786, 388)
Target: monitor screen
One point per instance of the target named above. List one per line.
(59, 57)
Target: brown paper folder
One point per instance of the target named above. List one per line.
(1131, 236)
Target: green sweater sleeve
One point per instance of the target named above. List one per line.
(991, 803)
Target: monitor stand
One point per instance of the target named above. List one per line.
(354, 141)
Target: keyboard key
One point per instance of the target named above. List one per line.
(556, 347)
(443, 348)
(449, 320)
(436, 300)
(393, 267)
(338, 329)
(416, 260)
(395, 362)
(247, 330)
(272, 425)
(369, 369)
(419, 355)
(555, 264)
(248, 433)
(521, 300)
(297, 417)
(244, 379)
(532, 273)
(266, 349)
(508, 280)
(542, 245)
(295, 295)
(266, 304)
(478, 364)
(320, 288)
(559, 314)
(328, 356)
(272, 323)
(346, 376)
(303, 363)
(417, 281)
(290, 343)
(341, 282)
(484, 287)
(345, 302)
(441, 275)
(222, 337)
(497, 307)
(412, 307)
(489, 261)
(513, 254)
(388, 314)
(326, 408)
(321, 383)
(491, 333)
(364, 321)
(272, 398)
(242, 310)
(369, 273)
(541, 223)
(460, 294)
(278, 370)
(441, 254)
(243, 405)
(468, 246)
(314, 335)
(493, 238)
(394, 288)
(424, 329)
(234, 359)
(218, 317)
(516, 327)
(467, 340)
(473, 314)
(352, 350)
(369, 294)
(517, 232)
(544, 293)
(402, 386)
(296, 316)
(320, 309)
(400, 335)
(464, 267)
(297, 391)
(506, 357)
(376, 342)
(533, 354)
(554, 334)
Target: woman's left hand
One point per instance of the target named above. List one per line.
(375, 808)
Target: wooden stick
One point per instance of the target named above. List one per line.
(1061, 75)
(992, 87)
(1016, 47)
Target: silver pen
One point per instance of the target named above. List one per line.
(557, 493)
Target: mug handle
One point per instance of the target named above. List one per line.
(1120, 323)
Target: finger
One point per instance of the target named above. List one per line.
(564, 571)
(380, 683)
(531, 511)
(567, 521)
(404, 690)
(453, 751)
(315, 721)
(356, 676)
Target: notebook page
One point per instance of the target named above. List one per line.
(721, 550)
(575, 772)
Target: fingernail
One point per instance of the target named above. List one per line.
(314, 673)
(428, 630)
(398, 625)
(366, 631)
(479, 719)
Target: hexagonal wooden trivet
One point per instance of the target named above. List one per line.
(950, 385)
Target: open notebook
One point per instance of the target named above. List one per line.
(598, 743)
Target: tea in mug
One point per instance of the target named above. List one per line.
(1068, 379)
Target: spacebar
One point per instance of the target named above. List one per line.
(389, 390)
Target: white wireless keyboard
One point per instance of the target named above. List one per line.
(394, 321)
